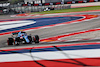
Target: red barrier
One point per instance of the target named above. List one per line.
(47, 3)
(58, 3)
(91, 1)
(80, 1)
(36, 4)
(69, 2)
(25, 5)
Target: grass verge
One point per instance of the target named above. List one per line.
(69, 10)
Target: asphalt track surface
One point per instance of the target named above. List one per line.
(56, 30)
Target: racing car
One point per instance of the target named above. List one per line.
(48, 9)
(23, 39)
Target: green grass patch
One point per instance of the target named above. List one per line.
(69, 10)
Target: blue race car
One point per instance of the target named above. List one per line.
(22, 38)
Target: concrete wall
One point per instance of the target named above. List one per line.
(67, 0)
(51, 1)
(44, 1)
(31, 1)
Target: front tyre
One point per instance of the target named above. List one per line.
(17, 40)
(36, 39)
(30, 39)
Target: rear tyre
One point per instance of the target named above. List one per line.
(36, 39)
(10, 41)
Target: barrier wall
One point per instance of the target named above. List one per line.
(65, 2)
(26, 9)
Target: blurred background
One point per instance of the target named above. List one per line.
(27, 6)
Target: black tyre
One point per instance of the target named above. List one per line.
(30, 39)
(17, 40)
(36, 39)
(10, 41)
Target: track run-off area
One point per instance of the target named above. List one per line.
(66, 39)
